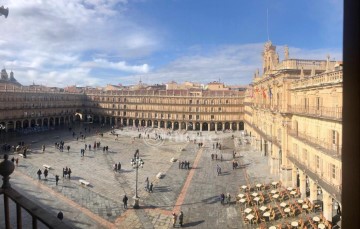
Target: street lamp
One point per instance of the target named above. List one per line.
(136, 162)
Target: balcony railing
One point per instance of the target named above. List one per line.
(322, 145)
(317, 176)
(314, 111)
(324, 78)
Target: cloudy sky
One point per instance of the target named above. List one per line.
(96, 42)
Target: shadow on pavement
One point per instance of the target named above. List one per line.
(211, 200)
(192, 224)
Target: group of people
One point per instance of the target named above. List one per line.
(67, 172)
(148, 187)
(181, 218)
(39, 173)
(217, 146)
(215, 156)
(117, 167)
(184, 164)
(225, 199)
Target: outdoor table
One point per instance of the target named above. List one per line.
(263, 208)
(266, 214)
(242, 200)
(283, 204)
(250, 217)
(287, 210)
(241, 195)
(290, 188)
(247, 210)
(316, 219)
(292, 193)
(257, 199)
(275, 196)
(321, 226)
(305, 206)
(272, 227)
(244, 187)
(300, 201)
(258, 185)
(294, 224)
(254, 194)
(274, 191)
(274, 183)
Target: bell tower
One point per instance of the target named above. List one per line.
(270, 57)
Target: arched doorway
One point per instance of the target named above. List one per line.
(149, 123)
(227, 126)
(143, 122)
(205, 126)
(56, 121)
(190, 126)
(233, 126)
(156, 124)
(197, 126)
(62, 120)
(124, 122)
(131, 122)
(183, 125)
(162, 124)
(168, 125)
(176, 125)
(219, 126)
(241, 126)
(18, 125)
(78, 117)
(212, 126)
(32, 123)
(25, 123)
(136, 122)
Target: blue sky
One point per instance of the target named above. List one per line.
(96, 42)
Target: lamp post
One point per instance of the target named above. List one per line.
(136, 162)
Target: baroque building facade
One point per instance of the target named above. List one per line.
(293, 113)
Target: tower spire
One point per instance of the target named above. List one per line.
(267, 23)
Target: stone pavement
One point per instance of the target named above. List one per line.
(195, 191)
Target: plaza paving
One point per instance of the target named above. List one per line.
(99, 205)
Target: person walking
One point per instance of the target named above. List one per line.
(56, 179)
(17, 161)
(147, 187)
(46, 172)
(39, 174)
(222, 198)
(181, 218)
(151, 187)
(69, 173)
(228, 197)
(125, 200)
(174, 218)
(60, 215)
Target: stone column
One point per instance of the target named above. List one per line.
(294, 176)
(116, 121)
(216, 125)
(186, 126)
(22, 123)
(327, 208)
(134, 123)
(302, 184)
(172, 125)
(152, 124)
(238, 126)
(223, 127)
(208, 127)
(313, 190)
(110, 121)
(200, 126)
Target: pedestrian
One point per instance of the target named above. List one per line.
(174, 218)
(13, 160)
(179, 164)
(56, 179)
(68, 148)
(221, 157)
(43, 148)
(119, 166)
(63, 172)
(69, 172)
(181, 218)
(151, 187)
(46, 173)
(17, 161)
(222, 198)
(60, 215)
(215, 156)
(85, 146)
(147, 184)
(39, 174)
(228, 198)
(125, 200)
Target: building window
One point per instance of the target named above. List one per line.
(227, 101)
(124, 113)
(317, 161)
(212, 117)
(162, 115)
(190, 101)
(136, 114)
(155, 115)
(183, 116)
(333, 171)
(197, 109)
(169, 115)
(318, 103)
(190, 116)
(197, 101)
(197, 117)
(219, 108)
(334, 137)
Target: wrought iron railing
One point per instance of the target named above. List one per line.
(325, 112)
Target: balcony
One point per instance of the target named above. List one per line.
(324, 183)
(321, 145)
(268, 138)
(333, 113)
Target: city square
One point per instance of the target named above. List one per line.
(190, 190)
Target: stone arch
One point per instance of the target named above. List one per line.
(219, 126)
(143, 123)
(51, 121)
(124, 122)
(26, 123)
(197, 126)
(190, 126)
(62, 120)
(149, 123)
(176, 125)
(205, 126)
(212, 126)
(78, 116)
(10, 125)
(168, 125)
(162, 124)
(56, 121)
(227, 125)
(241, 126)
(137, 122)
(18, 124)
(131, 122)
(183, 126)
(156, 124)
(32, 123)
(233, 126)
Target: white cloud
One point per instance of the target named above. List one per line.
(56, 38)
